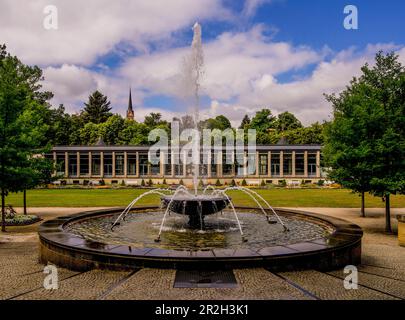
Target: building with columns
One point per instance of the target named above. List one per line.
(114, 164)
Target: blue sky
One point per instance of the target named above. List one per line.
(280, 54)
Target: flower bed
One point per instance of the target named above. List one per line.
(22, 220)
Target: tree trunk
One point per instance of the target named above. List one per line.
(387, 214)
(25, 202)
(363, 212)
(3, 211)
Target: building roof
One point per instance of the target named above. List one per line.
(273, 147)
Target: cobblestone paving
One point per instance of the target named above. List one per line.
(381, 275)
(328, 287)
(253, 284)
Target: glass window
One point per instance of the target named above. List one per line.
(155, 168)
(275, 164)
(213, 163)
(287, 163)
(60, 164)
(299, 164)
(84, 164)
(108, 166)
(72, 164)
(168, 165)
(311, 164)
(227, 168)
(95, 164)
(203, 167)
(263, 157)
(131, 163)
(239, 164)
(251, 164)
(119, 164)
(143, 164)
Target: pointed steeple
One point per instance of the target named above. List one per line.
(130, 111)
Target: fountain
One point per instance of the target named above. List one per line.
(206, 229)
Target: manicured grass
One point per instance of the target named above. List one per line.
(333, 198)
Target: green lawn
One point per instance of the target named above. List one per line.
(333, 198)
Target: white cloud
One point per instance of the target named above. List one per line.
(89, 29)
(232, 61)
(250, 6)
(242, 68)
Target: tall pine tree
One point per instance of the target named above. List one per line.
(97, 109)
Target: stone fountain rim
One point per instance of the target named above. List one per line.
(341, 248)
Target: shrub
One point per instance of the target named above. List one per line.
(244, 183)
(218, 183)
(122, 183)
(233, 183)
(150, 183)
(181, 182)
(102, 182)
(200, 183)
(282, 183)
(320, 182)
(263, 183)
(142, 183)
(164, 181)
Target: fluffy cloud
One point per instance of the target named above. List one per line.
(243, 69)
(92, 28)
(232, 61)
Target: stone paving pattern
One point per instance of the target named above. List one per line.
(381, 275)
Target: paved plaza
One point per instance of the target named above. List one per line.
(381, 274)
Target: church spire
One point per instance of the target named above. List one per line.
(130, 111)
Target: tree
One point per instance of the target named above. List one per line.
(134, 133)
(365, 143)
(220, 122)
(153, 120)
(110, 130)
(287, 121)
(245, 122)
(22, 124)
(263, 122)
(97, 109)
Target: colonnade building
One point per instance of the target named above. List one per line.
(115, 164)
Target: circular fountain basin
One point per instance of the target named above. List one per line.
(85, 241)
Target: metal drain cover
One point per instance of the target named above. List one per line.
(205, 279)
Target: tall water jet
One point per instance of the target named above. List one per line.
(193, 75)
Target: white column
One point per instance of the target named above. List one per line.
(293, 164)
(102, 164)
(281, 164)
(90, 169)
(113, 164)
(66, 164)
(137, 164)
(219, 164)
(125, 164)
(318, 164)
(306, 163)
(78, 163)
(162, 163)
(54, 163)
(269, 164)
